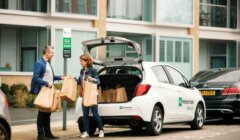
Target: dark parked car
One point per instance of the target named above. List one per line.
(5, 129)
(221, 91)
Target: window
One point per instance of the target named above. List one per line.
(175, 50)
(83, 7)
(232, 54)
(218, 13)
(162, 50)
(145, 42)
(25, 5)
(176, 77)
(140, 10)
(186, 52)
(178, 49)
(169, 51)
(176, 12)
(160, 74)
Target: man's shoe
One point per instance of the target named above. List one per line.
(101, 134)
(51, 136)
(85, 135)
(42, 137)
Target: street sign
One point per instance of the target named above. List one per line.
(67, 42)
(67, 45)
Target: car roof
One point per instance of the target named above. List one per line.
(154, 63)
(201, 75)
(219, 69)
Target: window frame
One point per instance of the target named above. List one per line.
(157, 21)
(122, 20)
(55, 13)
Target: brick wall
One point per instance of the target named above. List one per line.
(16, 79)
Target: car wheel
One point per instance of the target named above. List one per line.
(3, 133)
(198, 121)
(154, 127)
(92, 126)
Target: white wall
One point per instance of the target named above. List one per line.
(8, 48)
(73, 66)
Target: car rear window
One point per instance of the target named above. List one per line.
(221, 76)
(121, 70)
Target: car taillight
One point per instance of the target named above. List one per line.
(231, 91)
(6, 101)
(142, 89)
(136, 117)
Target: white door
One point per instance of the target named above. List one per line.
(185, 96)
(167, 92)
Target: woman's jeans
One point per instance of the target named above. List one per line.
(96, 117)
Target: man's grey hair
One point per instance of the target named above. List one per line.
(46, 48)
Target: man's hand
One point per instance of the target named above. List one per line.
(50, 84)
(62, 77)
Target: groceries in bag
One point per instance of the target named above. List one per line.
(69, 89)
(90, 93)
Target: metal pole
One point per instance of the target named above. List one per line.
(65, 102)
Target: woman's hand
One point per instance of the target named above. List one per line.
(92, 79)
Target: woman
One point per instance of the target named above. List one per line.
(89, 73)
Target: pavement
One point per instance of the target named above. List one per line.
(214, 129)
(23, 116)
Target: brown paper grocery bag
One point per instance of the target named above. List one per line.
(69, 89)
(44, 99)
(101, 97)
(89, 94)
(114, 96)
(109, 95)
(57, 104)
(121, 94)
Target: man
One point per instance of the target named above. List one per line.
(44, 76)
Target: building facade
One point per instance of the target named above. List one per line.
(191, 35)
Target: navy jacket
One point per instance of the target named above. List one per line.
(37, 80)
(91, 72)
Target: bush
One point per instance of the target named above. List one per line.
(5, 88)
(17, 95)
(11, 100)
(30, 100)
(16, 87)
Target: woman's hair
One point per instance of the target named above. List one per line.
(87, 58)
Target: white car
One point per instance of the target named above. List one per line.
(157, 93)
(5, 128)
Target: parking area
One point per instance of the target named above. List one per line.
(214, 129)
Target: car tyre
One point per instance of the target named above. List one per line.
(198, 121)
(154, 127)
(92, 126)
(3, 133)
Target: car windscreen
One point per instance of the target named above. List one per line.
(221, 76)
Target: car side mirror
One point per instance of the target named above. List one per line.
(193, 84)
